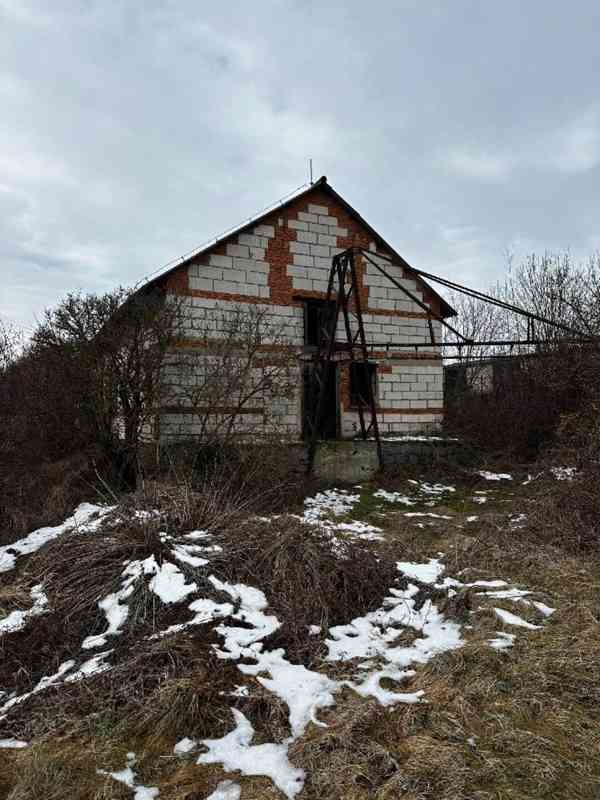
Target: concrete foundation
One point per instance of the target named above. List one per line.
(355, 461)
(347, 462)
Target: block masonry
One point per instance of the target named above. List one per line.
(285, 259)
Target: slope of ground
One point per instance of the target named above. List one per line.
(408, 638)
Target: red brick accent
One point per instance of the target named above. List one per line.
(177, 282)
(278, 256)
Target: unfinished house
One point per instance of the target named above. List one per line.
(279, 266)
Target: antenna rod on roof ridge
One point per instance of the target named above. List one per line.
(310, 169)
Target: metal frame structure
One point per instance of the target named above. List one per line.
(343, 285)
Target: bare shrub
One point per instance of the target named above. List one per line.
(567, 514)
(513, 398)
(306, 579)
(521, 410)
(11, 342)
(578, 436)
(77, 404)
(236, 382)
(113, 347)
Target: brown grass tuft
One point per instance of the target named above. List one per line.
(306, 581)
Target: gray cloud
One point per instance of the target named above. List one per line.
(133, 132)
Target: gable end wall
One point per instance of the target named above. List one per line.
(286, 257)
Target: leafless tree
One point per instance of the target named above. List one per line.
(91, 378)
(479, 322)
(239, 380)
(527, 393)
(11, 343)
(552, 286)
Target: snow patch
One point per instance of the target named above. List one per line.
(358, 530)
(512, 619)
(93, 666)
(128, 778)
(426, 573)
(17, 620)
(564, 473)
(236, 752)
(168, 583)
(545, 610)
(81, 521)
(502, 641)
(495, 476)
(303, 690)
(333, 501)
(374, 635)
(184, 746)
(12, 744)
(394, 497)
(432, 488)
(507, 594)
(226, 790)
(426, 514)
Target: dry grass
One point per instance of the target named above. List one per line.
(567, 514)
(522, 724)
(193, 701)
(43, 493)
(12, 597)
(305, 581)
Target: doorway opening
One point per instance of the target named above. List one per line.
(329, 418)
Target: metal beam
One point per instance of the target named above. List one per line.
(486, 298)
(413, 297)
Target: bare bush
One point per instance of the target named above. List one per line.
(100, 375)
(83, 392)
(115, 346)
(238, 380)
(11, 342)
(567, 515)
(513, 397)
(306, 579)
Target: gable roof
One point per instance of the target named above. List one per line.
(446, 309)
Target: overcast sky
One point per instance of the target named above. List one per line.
(131, 132)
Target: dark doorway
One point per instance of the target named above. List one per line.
(328, 426)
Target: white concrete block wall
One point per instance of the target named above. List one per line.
(243, 270)
(409, 386)
(382, 292)
(316, 243)
(282, 417)
(394, 423)
(208, 317)
(384, 328)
